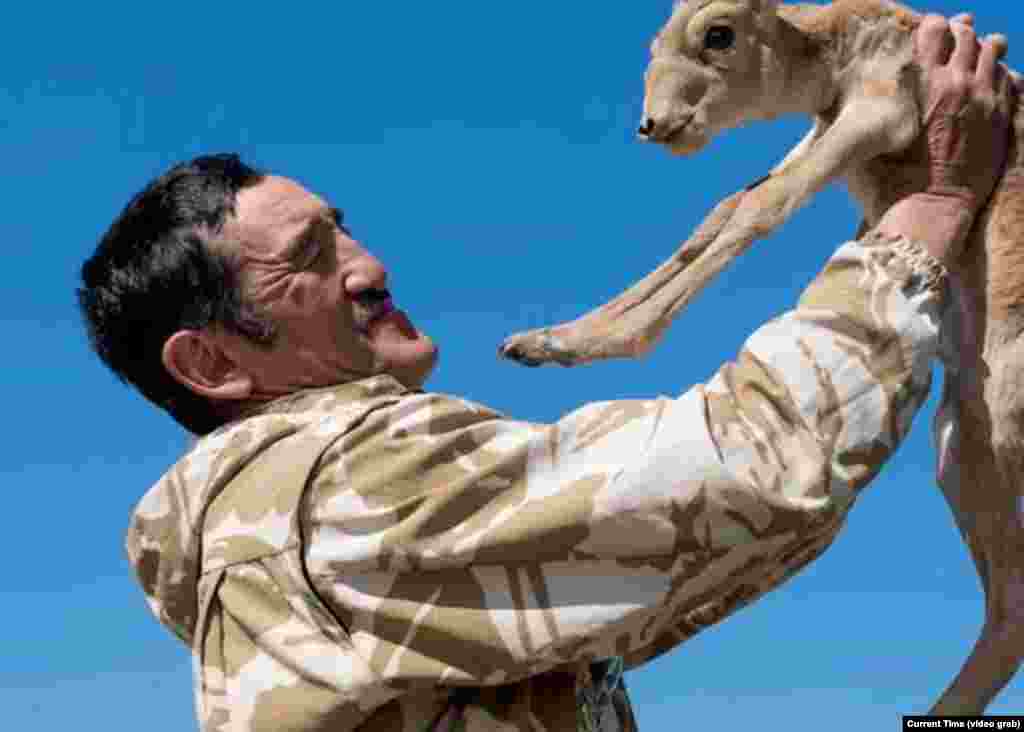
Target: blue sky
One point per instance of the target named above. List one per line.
(485, 152)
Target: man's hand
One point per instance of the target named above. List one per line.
(967, 125)
(967, 117)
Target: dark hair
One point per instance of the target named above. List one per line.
(153, 274)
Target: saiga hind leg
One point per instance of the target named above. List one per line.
(982, 467)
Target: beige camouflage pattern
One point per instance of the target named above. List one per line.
(362, 557)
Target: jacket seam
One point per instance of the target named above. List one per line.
(291, 546)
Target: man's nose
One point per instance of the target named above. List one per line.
(369, 274)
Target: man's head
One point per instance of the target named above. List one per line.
(219, 287)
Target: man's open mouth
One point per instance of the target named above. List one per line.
(371, 306)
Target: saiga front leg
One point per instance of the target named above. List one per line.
(628, 326)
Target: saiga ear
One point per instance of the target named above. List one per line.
(764, 13)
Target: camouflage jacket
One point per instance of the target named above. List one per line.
(363, 557)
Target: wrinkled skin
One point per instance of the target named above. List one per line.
(325, 294)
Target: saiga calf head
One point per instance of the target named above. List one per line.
(715, 64)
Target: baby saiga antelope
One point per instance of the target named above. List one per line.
(850, 66)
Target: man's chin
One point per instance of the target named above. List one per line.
(410, 360)
(412, 373)
(401, 350)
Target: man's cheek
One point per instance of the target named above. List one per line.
(352, 350)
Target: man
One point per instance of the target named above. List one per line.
(342, 551)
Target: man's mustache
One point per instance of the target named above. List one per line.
(372, 297)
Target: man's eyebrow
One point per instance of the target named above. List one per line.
(297, 242)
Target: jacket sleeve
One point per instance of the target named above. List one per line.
(458, 547)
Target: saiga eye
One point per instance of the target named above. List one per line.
(719, 38)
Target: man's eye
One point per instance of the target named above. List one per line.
(311, 251)
(720, 38)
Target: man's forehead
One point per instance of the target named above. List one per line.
(273, 209)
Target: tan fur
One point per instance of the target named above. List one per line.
(849, 65)
(832, 21)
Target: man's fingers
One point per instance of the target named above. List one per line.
(932, 41)
(992, 51)
(963, 18)
(1006, 89)
(967, 49)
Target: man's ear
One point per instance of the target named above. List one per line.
(195, 360)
